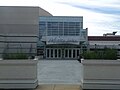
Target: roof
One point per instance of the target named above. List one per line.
(103, 38)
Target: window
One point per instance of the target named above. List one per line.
(70, 53)
(51, 52)
(77, 53)
(66, 24)
(47, 52)
(83, 34)
(66, 53)
(73, 53)
(59, 53)
(42, 28)
(53, 28)
(60, 28)
(66, 31)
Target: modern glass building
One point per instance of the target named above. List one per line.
(61, 37)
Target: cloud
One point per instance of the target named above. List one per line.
(105, 10)
(95, 8)
(102, 16)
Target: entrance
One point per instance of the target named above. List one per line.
(59, 53)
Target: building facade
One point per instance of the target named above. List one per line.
(19, 28)
(61, 37)
(101, 42)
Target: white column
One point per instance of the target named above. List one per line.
(71, 53)
(64, 53)
(53, 53)
(49, 53)
(60, 53)
(57, 53)
(46, 53)
(79, 51)
(76, 53)
(68, 53)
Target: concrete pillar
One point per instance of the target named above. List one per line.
(46, 53)
(67, 53)
(71, 53)
(57, 53)
(49, 53)
(53, 53)
(76, 53)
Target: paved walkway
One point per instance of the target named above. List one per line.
(59, 75)
(58, 87)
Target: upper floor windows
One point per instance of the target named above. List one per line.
(60, 28)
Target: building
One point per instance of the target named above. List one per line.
(106, 41)
(19, 28)
(61, 37)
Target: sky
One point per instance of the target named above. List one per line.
(99, 16)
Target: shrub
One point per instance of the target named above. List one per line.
(89, 55)
(15, 56)
(110, 54)
(107, 53)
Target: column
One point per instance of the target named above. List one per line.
(71, 53)
(76, 53)
(46, 53)
(57, 53)
(53, 53)
(64, 53)
(60, 53)
(68, 53)
(49, 53)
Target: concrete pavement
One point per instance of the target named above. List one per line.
(58, 87)
(59, 75)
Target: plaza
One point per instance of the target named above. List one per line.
(59, 74)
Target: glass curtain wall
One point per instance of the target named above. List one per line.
(60, 28)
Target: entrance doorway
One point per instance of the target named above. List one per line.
(60, 53)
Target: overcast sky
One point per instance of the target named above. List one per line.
(99, 16)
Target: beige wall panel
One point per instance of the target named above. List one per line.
(19, 15)
(19, 29)
(20, 21)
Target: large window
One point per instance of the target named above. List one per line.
(61, 28)
(54, 26)
(42, 28)
(83, 34)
